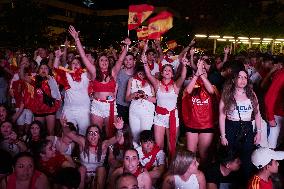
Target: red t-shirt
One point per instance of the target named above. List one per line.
(197, 109)
(257, 183)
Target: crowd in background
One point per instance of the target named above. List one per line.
(140, 118)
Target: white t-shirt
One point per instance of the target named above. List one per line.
(159, 160)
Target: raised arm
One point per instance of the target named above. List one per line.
(192, 52)
(203, 75)
(120, 60)
(152, 79)
(181, 55)
(64, 56)
(226, 52)
(58, 55)
(90, 67)
(159, 49)
(22, 74)
(182, 77)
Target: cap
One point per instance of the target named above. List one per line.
(262, 156)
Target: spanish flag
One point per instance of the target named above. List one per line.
(172, 44)
(160, 24)
(142, 33)
(137, 15)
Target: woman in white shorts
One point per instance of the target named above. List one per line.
(166, 116)
(141, 94)
(103, 86)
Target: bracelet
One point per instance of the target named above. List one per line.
(222, 136)
(77, 39)
(259, 130)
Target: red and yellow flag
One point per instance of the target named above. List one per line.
(160, 24)
(172, 44)
(142, 33)
(137, 15)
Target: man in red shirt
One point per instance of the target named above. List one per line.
(265, 160)
(274, 107)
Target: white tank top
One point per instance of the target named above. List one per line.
(245, 109)
(137, 85)
(191, 183)
(167, 100)
(77, 95)
(69, 149)
(91, 162)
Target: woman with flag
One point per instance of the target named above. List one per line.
(103, 86)
(167, 90)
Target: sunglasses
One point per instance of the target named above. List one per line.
(93, 133)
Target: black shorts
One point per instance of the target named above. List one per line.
(44, 114)
(191, 130)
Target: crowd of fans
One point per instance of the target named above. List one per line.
(140, 118)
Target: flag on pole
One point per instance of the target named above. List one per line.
(160, 24)
(142, 33)
(172, 44)
(138, 14)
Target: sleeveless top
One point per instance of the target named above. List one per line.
(68, 151)
(166, 100)
(104, 87)
(77, 95)
(136, 103)
(122, 80)
(191, 183)
(245, 108)
(91, 162)
(11, 182)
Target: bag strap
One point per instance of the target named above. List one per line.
(238, 110)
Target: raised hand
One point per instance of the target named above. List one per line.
(63, 120)
(192, 42)
(144, 59)
(119, 123)
(73, 32)
(192, 51)
(226, 50)
(184, 60)
(200, 65)
(66, 43)
(58, 53)
(127, 41)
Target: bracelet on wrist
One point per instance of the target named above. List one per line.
(259, 130)
(222, 136)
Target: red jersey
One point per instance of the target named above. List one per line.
(257, 183)
(274, 104)
(197, 109)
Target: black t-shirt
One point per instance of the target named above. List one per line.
(213, 175)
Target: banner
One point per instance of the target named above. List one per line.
(160, 24)
(138, 14)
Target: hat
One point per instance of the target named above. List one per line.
(262, 156)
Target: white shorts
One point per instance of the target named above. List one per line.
(101, 109)
(25, 118)
(163, 120)
(79, 116)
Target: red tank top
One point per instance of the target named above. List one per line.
(11, 182)
(97, 86)
(197, 110)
